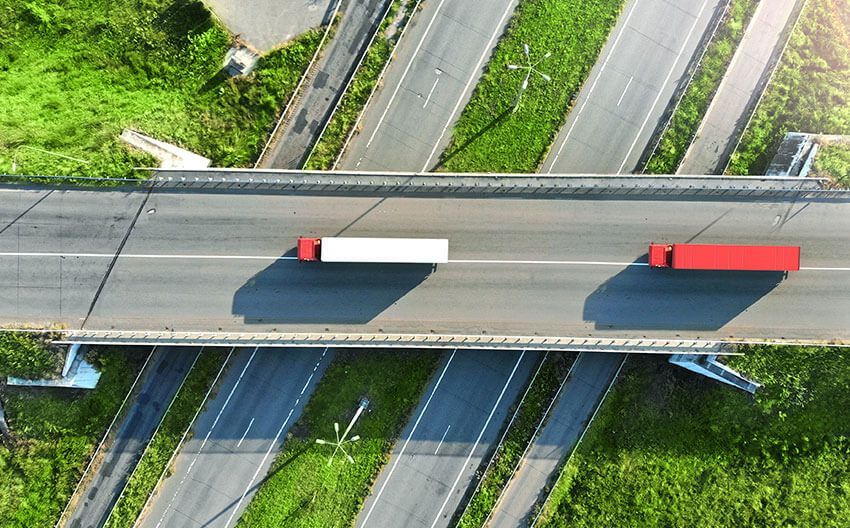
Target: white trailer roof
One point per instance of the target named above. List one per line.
(400, 250)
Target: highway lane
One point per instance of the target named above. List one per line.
(629, 87)
(165, 375)
(499, 280)
(436, 66)
(450, 432)
(236, 438)
(56, 221)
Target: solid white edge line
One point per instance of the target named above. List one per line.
(206, 437)
(407, 441)
(404, 75)
(179, 445)
(272, 445)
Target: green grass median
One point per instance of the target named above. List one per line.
(158, 453)
(694, 103)
(488, 134)
(302, 489)
(54, 434)
(809, 90)
(76, 73)
(670, 448)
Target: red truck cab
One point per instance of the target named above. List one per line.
(309, 249)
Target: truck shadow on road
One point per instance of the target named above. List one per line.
(292, 292)
(664, 299)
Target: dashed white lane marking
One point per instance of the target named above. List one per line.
(433, 87)
(443, 438)
(626, 89)
(663, 85)
(451, 261)
(451, 493)
(274, 442)
(407, 441)
(592, 86)
(245, 433)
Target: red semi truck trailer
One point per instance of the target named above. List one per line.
(724, 257)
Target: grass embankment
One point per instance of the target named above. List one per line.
(55, 432)
(159, 450)
(488, 136)
(301, 488)
(28, 356)
(833, 161)
(809, 90)
(363, 84)
(669, 448)
(520, 434)
(75, 73)
(694, 103)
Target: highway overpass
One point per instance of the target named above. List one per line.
(166, 261)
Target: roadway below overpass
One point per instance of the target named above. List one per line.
(225, 262)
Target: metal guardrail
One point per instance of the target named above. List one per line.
(480, 342)
(466, 185)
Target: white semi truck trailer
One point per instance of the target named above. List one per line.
(374, 250)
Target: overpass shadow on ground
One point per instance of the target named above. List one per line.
(292, 292)
(642, 298)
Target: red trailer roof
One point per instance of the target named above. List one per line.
(727, 257)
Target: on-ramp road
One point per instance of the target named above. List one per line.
(165, 375)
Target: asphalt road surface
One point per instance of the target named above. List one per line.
(236, 438)
(443, 445)
(554, 267)
(166, 372)
(436, 66)
(624, 98)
